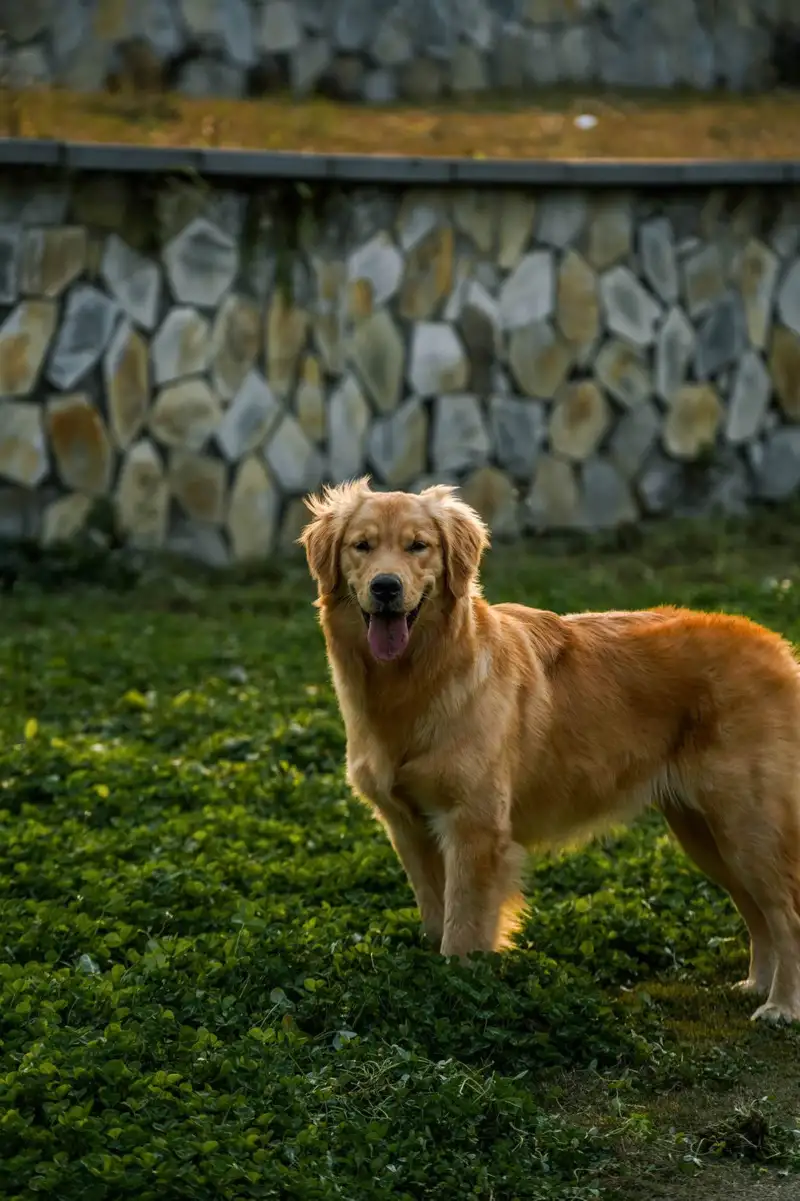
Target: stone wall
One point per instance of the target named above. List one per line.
(203, 356)
(381, 50)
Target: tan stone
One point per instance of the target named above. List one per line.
(80, 444)
(758, 275)
(622, 370)
(52, 259)
(578, 303)
(517, 215)
(25, 338)
(475, 211)
(286, 332)
(252, 512)
(540, 359)
(554, 500)
(142, 498)
(185, 414)
(360, 303)
(492, 494)
(429, 274)
(331, 276)
(329, 340)
(784, 365)
(310, 399)
(181, 345)
(704, 280)
(235, 344)
(610, 231)
(127, 385)
(23, 447)
(198, 484)
(376, 351)
(65, 518)
(693, 420)
(579, 421)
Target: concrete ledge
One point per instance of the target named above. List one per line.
(393, 169)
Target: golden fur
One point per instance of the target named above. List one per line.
(500, 728)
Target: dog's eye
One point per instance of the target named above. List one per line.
(362, 546)
(417, 546)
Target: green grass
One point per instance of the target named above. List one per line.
(212, 980)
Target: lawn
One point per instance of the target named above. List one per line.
(632, 126)
(212, 981)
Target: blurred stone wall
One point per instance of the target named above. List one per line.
(571, 359)
(383, 50)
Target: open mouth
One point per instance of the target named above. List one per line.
(388, 633)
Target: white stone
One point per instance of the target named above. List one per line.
(380, 263)
(674, 352)
(460, 437)
(529, 293)
(142, 499)
(789, 298)
(659, 261)
(749, 399)
(280, 29)
(248, 419)
(631, 312)
(607, 501)
(438, 362)
(348, 423)
(201, 263)
(133, 280)
(293, 458)
(397, 445)
(86, 328)
(182, 345)
(562, 216)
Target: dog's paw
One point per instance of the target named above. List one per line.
(776, 1015)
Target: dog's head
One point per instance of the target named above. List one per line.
(398, 556)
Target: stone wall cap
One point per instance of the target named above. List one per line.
(393, 169)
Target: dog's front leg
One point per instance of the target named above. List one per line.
(482, 901)
(420, 855)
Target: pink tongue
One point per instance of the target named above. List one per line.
(387, 636)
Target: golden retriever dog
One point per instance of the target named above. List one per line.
(478, 732)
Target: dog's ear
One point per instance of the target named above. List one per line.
(464, 536)
(322, 537)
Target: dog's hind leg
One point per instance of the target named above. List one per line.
(695, 836)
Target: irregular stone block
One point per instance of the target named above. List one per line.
(348, 423)
(778, 475)
(80, 444)
(25, 338)
(631, 312)
(65, 518)
(460, 438)
(749, 399)
(758, 275)
(309, 399)
(703, 280)
(659, 259)
(721, 337)
(198, 483)
(142, 497)
(674, 352)
(378, 268)
(539, 359)
(133, 280)
(127, 384)
(52, 259)
(23, 447)
(377, 353)
(789, 298)
(528, 295)
(554, 499)
(181, 346)
(235, 344)
(516, 220)
(475, 211)
(428, 275)
(634, 438)
(201, 263)
(578, 304)
(562, 218)
(252, 512)
(610, 231)
(579, 421)
(294, 460)
(519, 428)
(86, 328)
(437, 362)
(493, 496)
(185, 415)
(623, 372)
(784, 364)
(694, 417)
(607, 501)
(286, 335)
(397, 446)
(248, 419)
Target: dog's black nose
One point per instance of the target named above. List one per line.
(386, 589)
